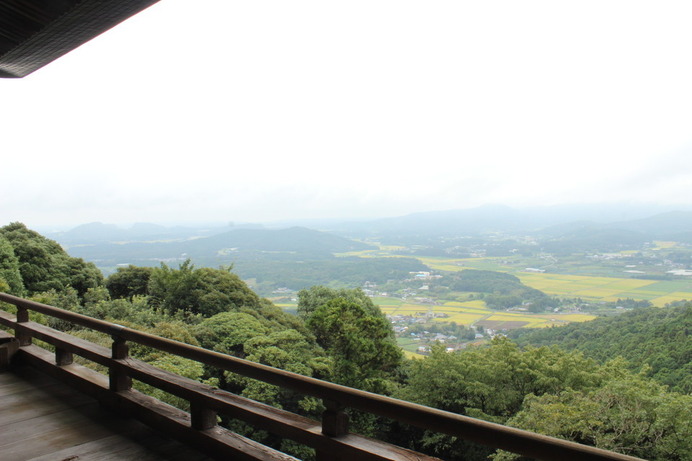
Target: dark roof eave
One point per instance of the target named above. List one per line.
(74, 27)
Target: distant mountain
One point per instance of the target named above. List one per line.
(223, 248)
(91, 232)
(489, 218)
(592, 236)
(561, 229)
(664, 226)
(294, 239)
(498, 218)
(139, 232)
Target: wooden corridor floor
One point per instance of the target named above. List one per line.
(42, 419)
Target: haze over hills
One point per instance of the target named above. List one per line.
(500, 218)
(276, 255)
(241, 243)
(567, 223)
(659, 221)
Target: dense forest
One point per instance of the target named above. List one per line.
(608, 400)
(653, 336)
(500, 290)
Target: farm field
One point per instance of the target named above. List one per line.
(475, 313)
(588, 287)
(609, 288)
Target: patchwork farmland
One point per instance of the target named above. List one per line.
(587, 287)
(473, 313)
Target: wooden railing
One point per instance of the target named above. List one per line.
(330, 437)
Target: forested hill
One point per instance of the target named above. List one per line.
(500, 290)
(211, 250)
(294, 239)
(654, 336)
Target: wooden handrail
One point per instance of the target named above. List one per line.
(490, 434)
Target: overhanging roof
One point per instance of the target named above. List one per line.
(34, 33)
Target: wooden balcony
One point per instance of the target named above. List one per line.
(198, 429)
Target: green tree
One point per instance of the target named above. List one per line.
(129, 281)
(229, 332)
(9, 269)
(488, 383)
(311, 298)
(361, 344)
(630, 414)
(44, 265)
(202, 291)
(654, 336)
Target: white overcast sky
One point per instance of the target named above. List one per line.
(265, 110)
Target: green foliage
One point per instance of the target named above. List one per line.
(655, 336)
(503, 290)
(202, 291)
(360, 342)
(631, 415)
(311, 298)
(488, 383)
(228, 332)
(484, 281)
(298, 272)
(44, 265)
(129, 281)
(288, 350)
(494, 380)
(10, 274)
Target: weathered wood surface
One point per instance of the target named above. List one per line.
(204, 400)
(42, 419)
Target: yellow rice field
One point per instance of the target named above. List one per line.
(470, 312)
(583, 286)
(675, 296)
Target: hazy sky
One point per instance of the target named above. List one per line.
(264, 110)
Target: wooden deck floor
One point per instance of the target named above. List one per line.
(44, 420)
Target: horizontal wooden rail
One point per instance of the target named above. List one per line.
(337, 397)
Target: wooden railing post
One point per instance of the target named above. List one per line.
(202, 417)
(334, 424)
(62, 357)
(22, 317)
(119, 381)
(334, 419)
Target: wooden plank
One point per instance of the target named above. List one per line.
(71, 432)
(16, 379)
(86, 349)
(143, 445)
(27, 428)
(11, 384)
(85, 432)
(32, 403)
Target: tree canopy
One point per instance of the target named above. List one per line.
(655, 336)
(43, 263)
(10, 274)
